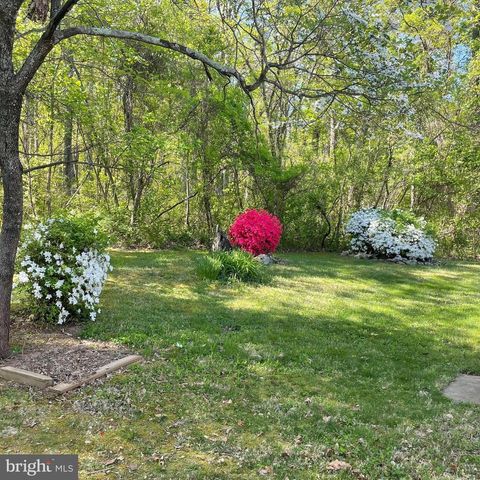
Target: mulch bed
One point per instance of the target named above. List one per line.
(60, 354)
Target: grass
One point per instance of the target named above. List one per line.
(335, 358)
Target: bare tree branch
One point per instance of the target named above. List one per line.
(90, 164)
(188, 197)
(224, 70)
(44, 45)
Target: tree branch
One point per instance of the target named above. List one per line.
(192, 195)
(175, 205)
(90, 164)
(224, 70)
(55, 164)
(53, 36)
(43, 46)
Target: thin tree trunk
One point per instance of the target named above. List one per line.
(207, 204)
(238, 194)
(29, 142)
(323, 212)
(333, 138)
(68, 154)
(137, 201)
(187, 198)
(48, 193)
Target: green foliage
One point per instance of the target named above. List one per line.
(79, 232)
(403, 218)
(209, 267)
(407, 143)
(235, 265)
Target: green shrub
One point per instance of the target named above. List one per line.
(236, 265)
(209, 267)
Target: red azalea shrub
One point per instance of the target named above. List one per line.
(256, 232)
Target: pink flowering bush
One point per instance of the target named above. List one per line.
(256, 232)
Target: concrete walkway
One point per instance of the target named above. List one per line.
(465, 388)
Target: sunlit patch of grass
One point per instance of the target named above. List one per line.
(334, 358)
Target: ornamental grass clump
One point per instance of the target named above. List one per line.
(235, 265)
(62, 269)
(394, 234)
(256, 231)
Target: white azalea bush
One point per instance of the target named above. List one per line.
(62, 269)
(392, 234)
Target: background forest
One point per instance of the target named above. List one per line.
(162, 149)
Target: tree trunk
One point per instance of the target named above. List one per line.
(187, 198)
(206, 197)
(333, 138)
(137, 202)
(11, 171)
(10, 168)
(29, 142)
(68, 154)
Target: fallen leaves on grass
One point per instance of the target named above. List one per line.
(9, 432)
(338, 465)
(266, 470)
(113, 461)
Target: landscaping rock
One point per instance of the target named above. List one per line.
(221, 243)
(363, 255)
(265, 259)
(269, 259)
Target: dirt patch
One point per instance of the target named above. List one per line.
(59, 354)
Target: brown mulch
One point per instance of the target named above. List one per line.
(58, 353)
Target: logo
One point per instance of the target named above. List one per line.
(39, 467)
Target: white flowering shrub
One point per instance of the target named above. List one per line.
(390, 234)
(62, 269)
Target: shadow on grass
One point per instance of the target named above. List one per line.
(337, 358)
(388, 333)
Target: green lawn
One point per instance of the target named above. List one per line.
(335, 358)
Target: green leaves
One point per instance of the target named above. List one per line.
(230, 267)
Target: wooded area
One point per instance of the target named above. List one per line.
(373, 104)
(310, 109)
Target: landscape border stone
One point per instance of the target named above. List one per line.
(33, 379)
(25, 377)
(61, 388)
